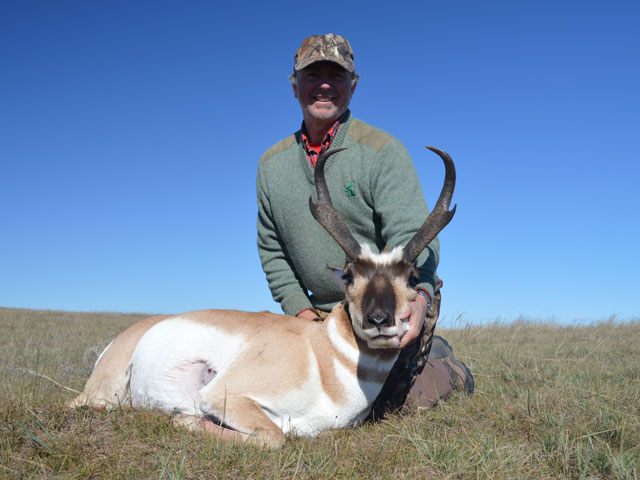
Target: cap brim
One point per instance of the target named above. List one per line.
(308, 61)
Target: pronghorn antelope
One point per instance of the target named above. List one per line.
(262, 375)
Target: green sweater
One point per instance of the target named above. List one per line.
(374, 187)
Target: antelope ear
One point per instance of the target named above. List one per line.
(337, 274)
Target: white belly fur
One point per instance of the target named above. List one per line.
(170, 364)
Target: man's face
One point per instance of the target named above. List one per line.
(324, 91)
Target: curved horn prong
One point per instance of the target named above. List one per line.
(326, 214)
(439, 217)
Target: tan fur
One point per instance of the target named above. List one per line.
(288, 349)
(403, 294)
(107, 384)
(287, 344)
(271, 346)
(199, 424)
(246, 416)
(356, 290)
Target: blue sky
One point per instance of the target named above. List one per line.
(130, 134)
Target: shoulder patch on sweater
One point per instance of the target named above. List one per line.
(369, 136)
(281, 146)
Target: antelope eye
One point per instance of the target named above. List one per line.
(347, 277)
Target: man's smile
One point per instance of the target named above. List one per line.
(324, 98)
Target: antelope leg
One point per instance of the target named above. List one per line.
(245, 416)
(200, 424)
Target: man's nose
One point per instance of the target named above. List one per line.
(325, 82)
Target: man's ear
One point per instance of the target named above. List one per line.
(295, 89)
(337, 274)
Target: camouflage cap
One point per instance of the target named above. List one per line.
(329, 47)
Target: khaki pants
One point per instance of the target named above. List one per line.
(442, 375)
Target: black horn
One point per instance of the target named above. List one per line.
(326, 214)
(439, 217)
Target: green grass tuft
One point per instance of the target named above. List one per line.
(550, 402)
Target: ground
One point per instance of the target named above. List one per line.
(550, 402)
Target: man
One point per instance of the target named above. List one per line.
(380, 200)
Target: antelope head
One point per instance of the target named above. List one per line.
(378, 286)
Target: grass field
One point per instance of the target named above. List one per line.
(550, 402)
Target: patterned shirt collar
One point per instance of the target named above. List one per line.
(313, 153)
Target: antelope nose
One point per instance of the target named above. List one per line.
(377, 319)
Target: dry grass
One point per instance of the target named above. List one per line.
(550, 402)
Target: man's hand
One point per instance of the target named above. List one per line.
(415, 312)
(308, 314)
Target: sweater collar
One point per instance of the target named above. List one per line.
(336, 141)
